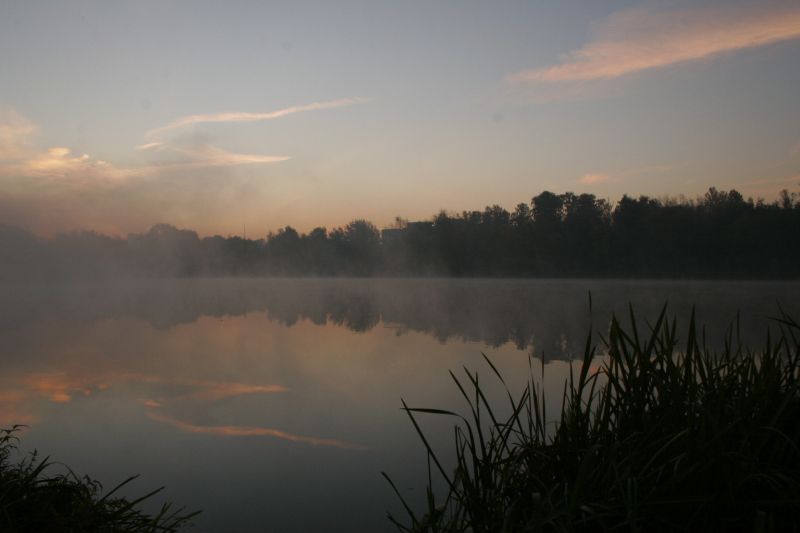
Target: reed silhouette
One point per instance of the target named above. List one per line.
(33, 500)
(656, 433)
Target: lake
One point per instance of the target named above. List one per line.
(274, 404)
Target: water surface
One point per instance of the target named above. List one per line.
(274, 404)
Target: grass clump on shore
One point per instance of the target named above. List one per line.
(658, 434)
(31, 501)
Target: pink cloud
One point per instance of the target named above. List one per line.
(638, 39)
(19, 158)
(591, 179)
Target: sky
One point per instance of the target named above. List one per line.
(226, 117)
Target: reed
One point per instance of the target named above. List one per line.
(656, 433)
(33, 501)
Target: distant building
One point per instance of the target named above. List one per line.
(419, 226)
(391, 235)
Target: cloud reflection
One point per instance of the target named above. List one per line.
(252, 431)
(17, 402)
(18, 399)
(14, 409)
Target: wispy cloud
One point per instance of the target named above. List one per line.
(208, 155)
(591, 179)
(19, 158)
(205, 155)
(150, 146)
(638, 39)
(251, 117)
(252, 431)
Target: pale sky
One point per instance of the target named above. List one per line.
(118, 115)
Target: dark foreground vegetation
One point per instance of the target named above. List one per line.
(659, 434)
(32, 501)
(555, 235)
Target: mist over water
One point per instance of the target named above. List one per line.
(531, 314)
(274, 403)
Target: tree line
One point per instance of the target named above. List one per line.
(721, 234)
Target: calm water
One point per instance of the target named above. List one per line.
(274, 404)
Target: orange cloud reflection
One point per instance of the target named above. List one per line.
(251, 431)
(19, 395)
(12, 410)
(59, 388)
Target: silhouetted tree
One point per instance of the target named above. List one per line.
(360, 244)
(718, 234)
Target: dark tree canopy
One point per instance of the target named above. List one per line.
(721, 234)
